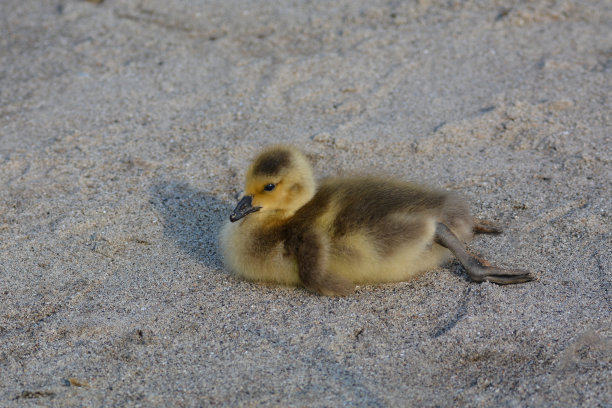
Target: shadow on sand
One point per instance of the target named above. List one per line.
(191, 218)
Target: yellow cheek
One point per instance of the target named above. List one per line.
(271, 201)
(284, 198)
(259, 200)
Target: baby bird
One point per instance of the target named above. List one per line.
(347, 231)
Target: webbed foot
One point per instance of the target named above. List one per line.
(478, 269)
(481, 226)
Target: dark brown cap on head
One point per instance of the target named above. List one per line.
(272, 162)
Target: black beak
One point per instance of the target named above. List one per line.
(244, 208)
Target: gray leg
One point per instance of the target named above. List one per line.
(479, 270)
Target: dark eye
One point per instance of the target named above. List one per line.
(269, 187)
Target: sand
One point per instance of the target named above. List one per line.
(125, 130)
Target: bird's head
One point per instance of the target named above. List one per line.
(278, 183)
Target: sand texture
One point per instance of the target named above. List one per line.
(125, 131)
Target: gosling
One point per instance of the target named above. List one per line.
(348, 231)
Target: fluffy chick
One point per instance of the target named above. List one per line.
(347, 231)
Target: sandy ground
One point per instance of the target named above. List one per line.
(126, 127)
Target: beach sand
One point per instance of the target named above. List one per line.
(125, 131)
